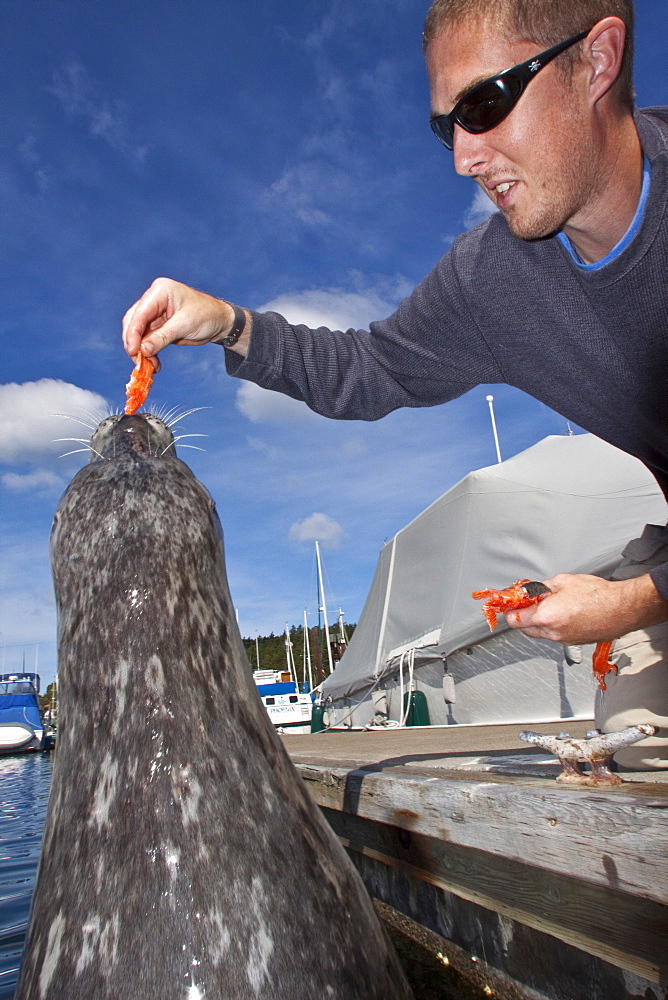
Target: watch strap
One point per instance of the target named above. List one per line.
(237, 327)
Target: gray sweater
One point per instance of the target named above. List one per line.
(593, 345)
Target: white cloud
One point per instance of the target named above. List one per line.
(329, 307)
(338, 309)
(317, 527)
(312, 217)
(264, 406)
(42, 481)
(270, 452)
(32, 417)
(333, 308)
(480, 209)
(32, 158)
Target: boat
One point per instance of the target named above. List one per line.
(288, 708)
(21, 726)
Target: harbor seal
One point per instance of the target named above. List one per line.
(183, 858)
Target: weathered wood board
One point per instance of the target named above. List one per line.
(588, 866)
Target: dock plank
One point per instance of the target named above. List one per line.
(626, 930)
(617, 838)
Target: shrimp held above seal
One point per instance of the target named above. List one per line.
(140, 382)
(524, 593)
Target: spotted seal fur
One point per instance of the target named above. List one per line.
(183, 858)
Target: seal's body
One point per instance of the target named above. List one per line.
(182, 856)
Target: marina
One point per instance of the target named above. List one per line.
(567, 504)
(496, 869)
(373, 221)
(288, 707)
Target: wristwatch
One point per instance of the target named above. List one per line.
(237, 327)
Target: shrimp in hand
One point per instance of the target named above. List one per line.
(520, 594)
(524, 593)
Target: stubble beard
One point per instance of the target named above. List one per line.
(573, 181)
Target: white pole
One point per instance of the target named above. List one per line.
(307, 652)
(342, 629)
(324, 609)
(257, 652)
(386, 608)
(288, 655)
(490, 400)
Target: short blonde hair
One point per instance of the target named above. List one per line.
(545, 22)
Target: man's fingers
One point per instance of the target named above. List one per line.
(172, 313)
(150, 313)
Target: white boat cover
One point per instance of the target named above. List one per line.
(566, 505)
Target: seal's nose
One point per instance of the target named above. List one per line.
(138, 427)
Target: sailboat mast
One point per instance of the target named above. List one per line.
(288, 654)
(324, 608)
(307, 654)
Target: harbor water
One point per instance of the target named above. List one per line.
(24, 791)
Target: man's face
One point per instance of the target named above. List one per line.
(539, 165)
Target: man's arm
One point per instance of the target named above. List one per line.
(585, 609)
(427, 352)
(171, 313)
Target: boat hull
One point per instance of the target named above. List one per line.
(18, 738)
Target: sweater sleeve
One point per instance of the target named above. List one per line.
(659, 577)
(428, 352)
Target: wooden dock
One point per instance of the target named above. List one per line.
(562, 890)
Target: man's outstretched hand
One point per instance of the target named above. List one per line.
(584, 609)
(172, 313)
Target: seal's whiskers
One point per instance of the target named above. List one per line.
(180, 437)
(172, 416)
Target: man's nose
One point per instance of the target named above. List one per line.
(471, 152)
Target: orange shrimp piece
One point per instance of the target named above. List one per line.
(601, 664)
(515, 596)
(140, 382)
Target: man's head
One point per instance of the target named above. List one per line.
(547, 161)
(545, 22)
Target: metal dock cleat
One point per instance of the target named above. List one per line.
(596, 749)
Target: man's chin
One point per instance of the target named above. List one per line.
(532, 229)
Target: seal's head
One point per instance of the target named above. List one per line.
(142, 434)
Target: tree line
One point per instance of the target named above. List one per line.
(272, 651)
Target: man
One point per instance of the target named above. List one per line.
(562, 293)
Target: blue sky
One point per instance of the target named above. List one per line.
(277, 154)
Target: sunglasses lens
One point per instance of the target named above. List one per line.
(442, 129)
(484, 107)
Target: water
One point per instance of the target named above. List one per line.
(24, 791)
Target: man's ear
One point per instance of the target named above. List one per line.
(603, 55)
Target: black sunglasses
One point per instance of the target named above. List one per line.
(484, 106)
